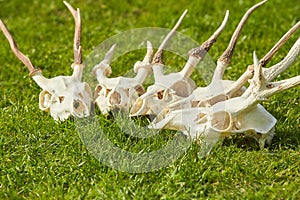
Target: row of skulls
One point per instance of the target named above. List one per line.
(208, 114)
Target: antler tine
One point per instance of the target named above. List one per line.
(197, 54)
(14, 47)
(158, 55)
(149, 54)
(262, 88)
(267, 71)
(105, 63)
(279, 44)
(225, 59)
(200, 51)
(77, 47)
(280, 86)
(274, 71)
(108, 56)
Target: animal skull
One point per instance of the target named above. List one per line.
(241, 114)
(237, 109)
(62, 96)
(120, 92)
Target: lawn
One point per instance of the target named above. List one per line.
(43, 159)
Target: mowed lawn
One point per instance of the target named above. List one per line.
(43, 159)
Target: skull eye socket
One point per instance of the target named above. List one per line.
(79, 107)
(97, 91)
(221, 120)
(140, 90)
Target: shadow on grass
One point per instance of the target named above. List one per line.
(287, 132)
(281, 140)
(242, 142)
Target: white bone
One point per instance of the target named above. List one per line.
(120, 92)
(209, 114)
(62, 96)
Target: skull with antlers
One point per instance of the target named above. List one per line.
(120, 92)
(62, 96)
(226, 107)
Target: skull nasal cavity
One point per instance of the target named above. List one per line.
(160, 94)
(61, 99)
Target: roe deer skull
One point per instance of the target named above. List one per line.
(120, 92)
(62, 96)
(239, 111)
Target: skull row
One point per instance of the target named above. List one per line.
(222, 108)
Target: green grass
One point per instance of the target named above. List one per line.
(43, 159)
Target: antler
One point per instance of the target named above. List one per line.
(275, 70)
(225, 59)
(260, 84)
(15, 49)
(158, 55)
(198, 54)
(264, 61)
(77, 47)
(104, 65)
(157, 62)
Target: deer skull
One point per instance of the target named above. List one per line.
(241, 114)
(237, 110)
(62, 96)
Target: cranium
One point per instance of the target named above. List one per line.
(62, 96)
(120, 92)
(239, 111)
